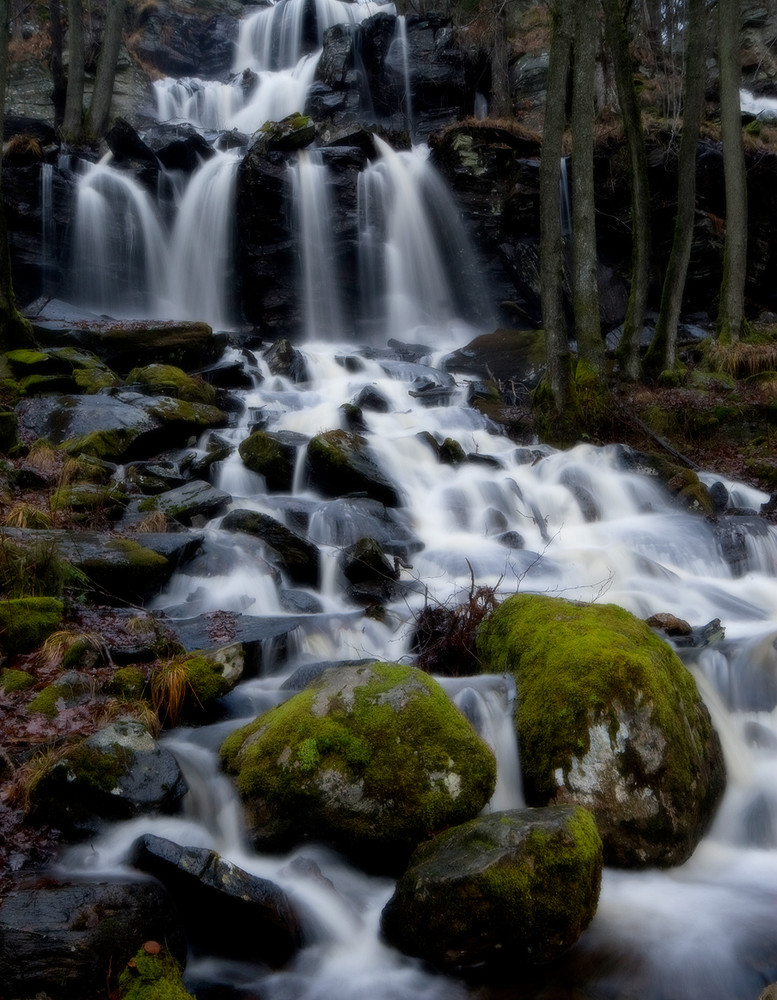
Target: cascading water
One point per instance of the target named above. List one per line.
(580, 524)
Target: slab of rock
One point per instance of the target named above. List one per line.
(338, 462)
(296, 556)
(225, 910)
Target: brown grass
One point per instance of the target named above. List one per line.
(743, 360)
(26, 515)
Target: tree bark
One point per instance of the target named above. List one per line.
(557, 358)
(584, 250)
(59, 92)
(617, 40)
(72, 125)
(14, 329)
(731, 311)
(662, 352)
(500, 104)
(100, 105)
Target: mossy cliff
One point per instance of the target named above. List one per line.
(372, 758)
(517, 887)
(607, 716)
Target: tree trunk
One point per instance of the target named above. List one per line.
(500, 104)
(584, 251)
(59, 93)
(618, 43)
(72, 126)
(14, 329)
(100, 105)
(551, 243)
(662, 352)
(731, 311)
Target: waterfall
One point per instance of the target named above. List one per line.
(47, 230)
(404, 57)
(320, 283)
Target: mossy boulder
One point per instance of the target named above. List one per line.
(188, 503)
(371, 758)
(152, 975)
(167, 380)
(118, 772)
(124, 568)
(86, 500)
(608, 717)
(15, 680)
(511, 888)
(26, 621)
(188, 685)
(339, 462)
(60, 369)
(272, 457)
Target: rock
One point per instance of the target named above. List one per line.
(176, 40)
(187, 503)
(152, 973)
(669, 623)
(371, 758)
(507, 355)
(272, 456)
(249, 917)
(297, 557)
(370, 398)
(119, 772)
(338, 463)
(371, 576)
(167, 380)
(125, 143)
(26, 621)
(608, 717)
(60, 369)
(505, 889)
(67, 938)
(283, 359)
(291, 133)
(188, 687)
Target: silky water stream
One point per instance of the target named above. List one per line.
(584, 524)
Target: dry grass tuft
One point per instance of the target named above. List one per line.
(743, 360)
(156, 520)
(26, 515)
(169, 687)
(58, 645)
(44, 457)
(445, 634)
(29, 775)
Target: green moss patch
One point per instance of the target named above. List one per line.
(25, 622)
(152, 977)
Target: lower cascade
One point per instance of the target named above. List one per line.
(427, 733)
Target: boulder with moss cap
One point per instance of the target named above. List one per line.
(371, 758)
(608, 717)
(515, 887)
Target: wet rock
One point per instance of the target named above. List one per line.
(248, 917)
(272, 456)
(125, 143)
(296, 556)
(64, 938)
(283, 359)
(119, 772)
(507, 355)
(178, 41)
(333, 763)
(62, 369)
(291, 133)
(640, 751)
(371, 577)
(669, 623)
(734, 537)
(168, 380)
(506, 889)
(194, 502)
(370, 398)
(338, 462)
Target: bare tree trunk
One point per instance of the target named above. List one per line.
(14, 329)
(551, 244)
(59, 93)
(618, 43)
(584, 251)
(100, 105)
(72, 126)
(500, 104)
(731, 311)
(663, 348)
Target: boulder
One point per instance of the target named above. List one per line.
(66, 939)
(371, 577)
(26, 621)
(370, 758)
(285, 360)
(60, 369)
(175, 39)
(608, 717)
(338, 462)
(506, 889)
(297, 557)
(118, 772)
(272, 456)
(249, 917)
(168, 380)
(186, 503)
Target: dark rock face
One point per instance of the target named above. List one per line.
(509, 888)
(371, 577)
(65, 938)
(338, 463)
(247, 917)
(177, 41)
(296, 556)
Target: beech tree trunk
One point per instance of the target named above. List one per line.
(584, 251)
(557, 357)
(100, 105)
(500, 105)
(731, 311)
(617, 40)
(59, 93)
(72, 125)
(662, 352)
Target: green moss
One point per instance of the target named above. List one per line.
(167, 380)
(98, 769)
(108, 445)
(128, 683)
(25, 622)
(576, 662)
(86, 498)
(15, 680)
(180, 411)
(152, 977)
(270, 458)
(45, 702)
(451, 452)
(206, 678)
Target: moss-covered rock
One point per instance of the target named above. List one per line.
(155, 976)
(339, 462)
(188, 685)
(167, 380)
(608, 717)
(128, 683)
(511, 888)
(87, 499)
(15, 680)
(371, 758)
(26, 621)
(125, 568)
(271, 457)
(60, 369)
